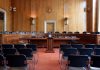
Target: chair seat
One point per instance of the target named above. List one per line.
(2, 68)
(76, 68)
(94, 68)
(18, 68)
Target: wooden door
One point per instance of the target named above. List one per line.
(50, 27)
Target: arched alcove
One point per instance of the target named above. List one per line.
(3, 19)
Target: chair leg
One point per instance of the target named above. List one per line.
(35, 58)
(33, 63)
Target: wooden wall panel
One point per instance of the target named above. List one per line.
(96, 16)
(49, 10)
(89, 15)
(22, 15)
(74, 11)
(6, 4)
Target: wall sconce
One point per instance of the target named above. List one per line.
(13, 9)
(33, 21)
(65, 20)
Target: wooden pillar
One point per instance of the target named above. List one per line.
(89, 15)
(97, 14)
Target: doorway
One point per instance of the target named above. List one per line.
(2, 20)
(49, 26)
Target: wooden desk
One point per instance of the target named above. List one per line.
(58, 41)
(40, 42)
(50, 42)
(87, 38)
(83, 39)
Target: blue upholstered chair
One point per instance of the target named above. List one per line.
(79, 62)
(97, 51)
(78, 46)
(17, 62)
(90, 46)
(7, 46)
(95, 62)
(86, 51)
(2, 62)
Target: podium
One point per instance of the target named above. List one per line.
(49, 48)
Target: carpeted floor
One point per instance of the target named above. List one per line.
(48, 61)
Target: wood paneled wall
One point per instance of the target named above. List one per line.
(98, 15)
(6, 4)
(47, 10)
(89, 15)
(22, 15)
(74, 11)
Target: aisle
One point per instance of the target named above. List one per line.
(48, 61)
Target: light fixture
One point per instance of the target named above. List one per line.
(13, 9)
(65, 20)
(33, 21)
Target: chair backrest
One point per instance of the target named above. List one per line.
(16, 60)
(0, 46)
(70, 32)
(64, 32)
(97, 32)
(1, 52)
(32, 46)
(64, 46)
(97, 46)
(78, 61)
(95, 61)
(69, 51)
(7, 46)
(84, 32)
(90, 46)
(78, 46)
(92, 32)
(97, 51)
(9, 51)
(56, 32)
(2, 60)
(19, 46)
(26, 51)
(76, 32)
(86, 51)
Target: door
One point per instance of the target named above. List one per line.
(50, 27)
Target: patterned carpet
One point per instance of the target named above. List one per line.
(48, 61)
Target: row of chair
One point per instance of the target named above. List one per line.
(29, 51)
(78, 32)
(78, 46)
(83, 51)
(77, 50)
(19, 46)
(13, 62)
(82, 62)
(26, 51)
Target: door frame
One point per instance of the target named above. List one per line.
(51, 22)
(5, 19)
